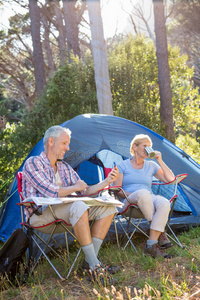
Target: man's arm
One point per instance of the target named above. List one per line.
(79, 186)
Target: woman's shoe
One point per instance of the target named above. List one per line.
(164, 242)
(155, 251)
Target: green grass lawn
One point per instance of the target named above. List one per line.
(141, 277)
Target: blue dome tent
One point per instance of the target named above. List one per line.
(103, 139)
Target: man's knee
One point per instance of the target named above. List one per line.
(78, 206)
(77, 210)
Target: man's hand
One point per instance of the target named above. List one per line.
(113, 175)
(80, 185)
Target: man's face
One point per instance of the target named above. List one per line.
(61, 145)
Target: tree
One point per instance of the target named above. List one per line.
(73, 16)
(59, 25)
(99, 52)
(17, 64)
(166, 109)
(39, 66)
(48, 54)
(136, 15)
(184, 31)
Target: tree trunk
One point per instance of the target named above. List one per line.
(166, 109)
(71, 27)
(61, 29)
(47, 45)
(99, 52)
(38, 58)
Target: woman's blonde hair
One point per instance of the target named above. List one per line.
(138, 139)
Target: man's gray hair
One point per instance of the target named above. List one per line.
(55, 132)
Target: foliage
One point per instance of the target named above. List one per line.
(133, 75)
(135, 88)
(186, 99)
(189, 146)
(11, 157)
(10, 109)
(69, 93)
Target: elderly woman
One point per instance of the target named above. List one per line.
(135, 177)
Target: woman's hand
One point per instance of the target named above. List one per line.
(164, 174)
(158, 156)
(113, 175)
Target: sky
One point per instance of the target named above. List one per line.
(115, 15)
(115, 19)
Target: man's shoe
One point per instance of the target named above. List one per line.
(101, 276)
(110, 269)
(155, 251)
(164, 242)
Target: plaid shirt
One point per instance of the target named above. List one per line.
(38, 178)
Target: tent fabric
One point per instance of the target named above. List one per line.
(96, 136)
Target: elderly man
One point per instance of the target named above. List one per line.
(47, 175)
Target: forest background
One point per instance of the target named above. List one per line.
(56, 64)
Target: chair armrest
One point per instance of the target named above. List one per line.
(27, 203)
(177, 179)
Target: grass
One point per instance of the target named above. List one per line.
(141, 277)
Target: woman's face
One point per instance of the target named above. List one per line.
(140, 149)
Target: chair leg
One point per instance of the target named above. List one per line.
(175, 239)
(42, 251)
(130, 237)
(47, 260)
(116, 233)
(47, 244)
(67, 245)
(126, 234)
(137, 226)
(77, 255)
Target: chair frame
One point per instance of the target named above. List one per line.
(176, 181)
(29, 228)
(31, 231)
(134, 207)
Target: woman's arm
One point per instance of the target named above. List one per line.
(164, 174)
(118, 182)
(112, 176)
